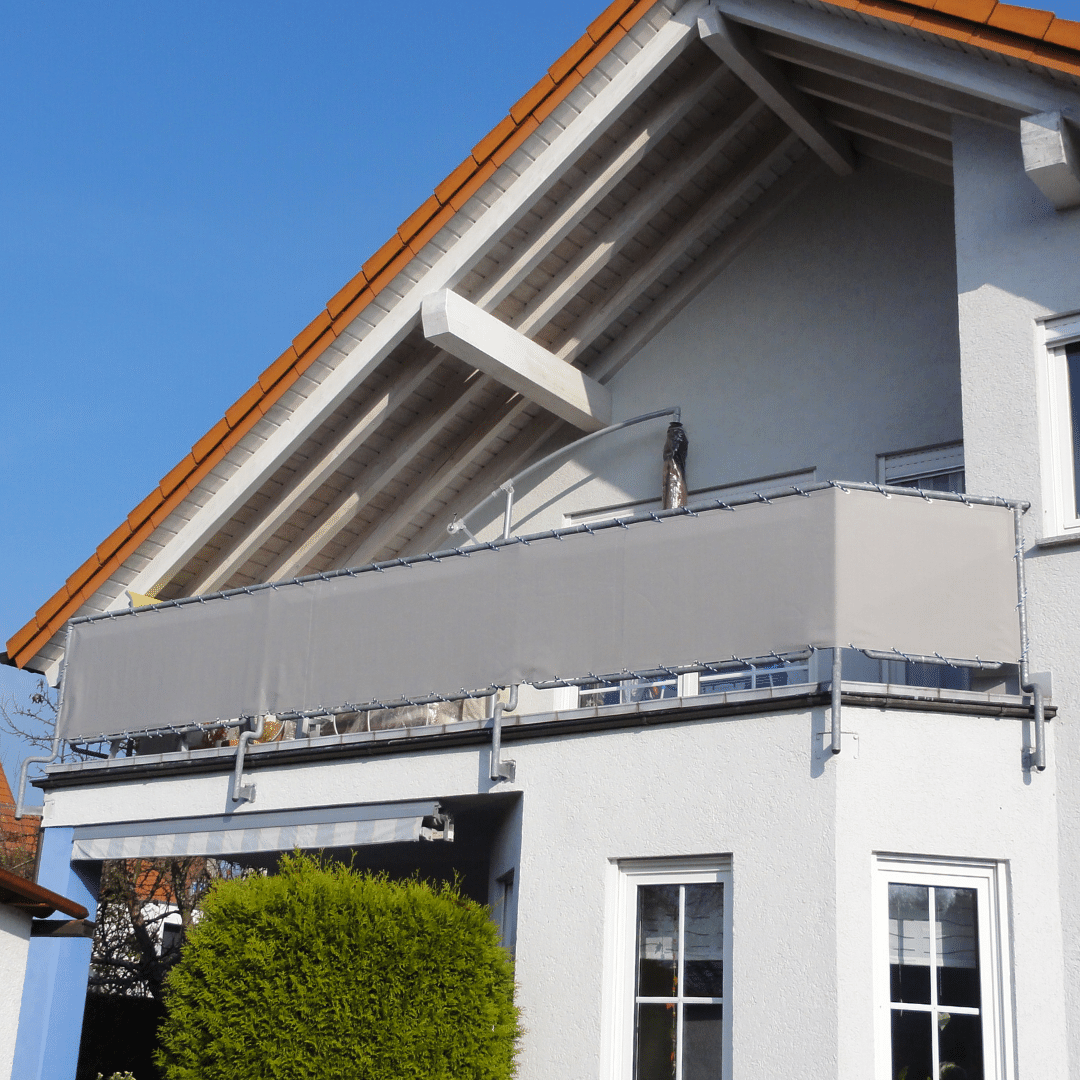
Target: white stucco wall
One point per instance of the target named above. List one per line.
(1018, 260)
(831, 340)
(14, 945)
(800, 826)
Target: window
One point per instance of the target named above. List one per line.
(674, 940)
(1059, 416)
(932, 468)
(942, 983)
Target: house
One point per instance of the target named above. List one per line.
(759, 748)
(24, 911)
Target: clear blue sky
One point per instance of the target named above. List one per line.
(182, 187)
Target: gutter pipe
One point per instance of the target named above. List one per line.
(1026, 685)
(242, 792)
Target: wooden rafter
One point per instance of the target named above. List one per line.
(606, 244)
(732, 189)
(305, 483)
(733, 45)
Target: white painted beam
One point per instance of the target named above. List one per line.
(515, 456)
(257, 532)
(809, 59)
(1013, 87)
(621, 229)
(885, 131)
(372, 480)
(498, 350)
(731, 43)
(445, 473)
(639, 142)
(904, 159)
(610, 103)
(732, 189)
(1052, 157)
(727, 247)
(884, 106)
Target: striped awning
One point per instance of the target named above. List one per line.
(251, 833)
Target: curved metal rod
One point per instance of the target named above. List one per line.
(245, 792)
(506, 489)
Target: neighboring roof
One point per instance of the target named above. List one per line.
(35, 900)
(1027, 34)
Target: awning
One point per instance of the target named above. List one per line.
(236, 835)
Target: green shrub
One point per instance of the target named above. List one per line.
(321, 972)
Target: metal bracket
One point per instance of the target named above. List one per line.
(501, 770)
(242, 792)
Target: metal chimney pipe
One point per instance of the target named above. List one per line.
(675, 449)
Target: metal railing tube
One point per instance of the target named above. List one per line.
(242, 792)
(1026, 685)
(837, 672)
(507, 489)
(499, 769)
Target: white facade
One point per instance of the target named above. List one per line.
(14, 945)
(883, 312)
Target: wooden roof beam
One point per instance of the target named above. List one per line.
(731, 190)
(524, 446)
(733, 45)
(720, 255)
(344, 508)
(898, 110)
(453, 464)
(914, 142)
(642, 138)
(480, 339)
(1014, 87)
(813, 59)
(306, 482)
(653, 197)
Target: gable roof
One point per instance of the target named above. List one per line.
(1028, 35)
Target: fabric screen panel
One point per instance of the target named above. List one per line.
(252, 833)
(834, 568)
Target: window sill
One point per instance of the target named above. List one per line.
(1071, 539)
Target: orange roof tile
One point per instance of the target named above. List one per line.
(1016, 31)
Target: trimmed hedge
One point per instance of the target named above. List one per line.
(322, 972)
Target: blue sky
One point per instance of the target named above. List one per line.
(183, 187)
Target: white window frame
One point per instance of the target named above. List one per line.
(921, 463)
(1060, 517)
(988, 879)
(622, 948)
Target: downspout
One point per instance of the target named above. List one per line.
(837, 682)
(242, 792)
(499, 769)
(20, 806)
(1026, 685)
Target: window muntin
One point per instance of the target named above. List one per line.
(675, 931)
(943, 987)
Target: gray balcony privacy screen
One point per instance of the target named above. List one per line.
(835, 568)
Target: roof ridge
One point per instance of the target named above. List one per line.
(1026, 33)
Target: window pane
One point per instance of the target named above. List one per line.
(912, 1054)
(1073, 355)
(959, 1047)
(958, 946)
(658, 940)
(909, 942)
(703, 937)
(654, 1057)
(703, 1042)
